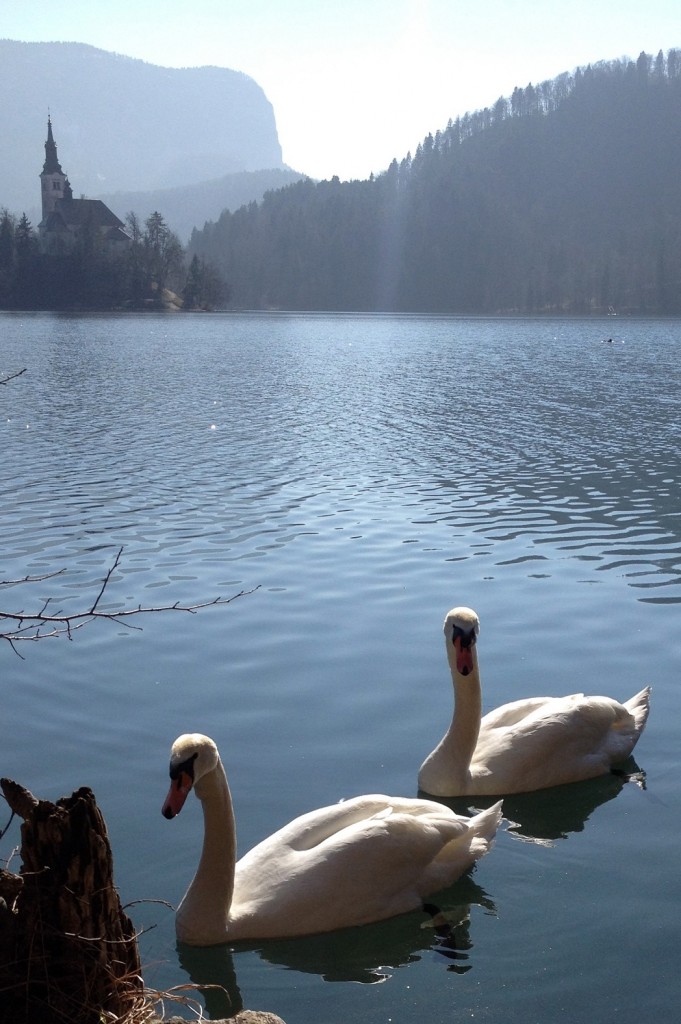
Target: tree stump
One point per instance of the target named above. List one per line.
(68, 952)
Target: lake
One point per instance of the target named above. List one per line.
(359, 476)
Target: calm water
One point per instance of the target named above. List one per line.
(365, 474)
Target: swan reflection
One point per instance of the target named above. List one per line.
(452, 928)
(371, 953)
(554, 813)
(211, 969)
(367, 955)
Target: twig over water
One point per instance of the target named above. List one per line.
(45, 623)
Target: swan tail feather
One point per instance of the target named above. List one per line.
(481, 832)
(461, 853)
(487, 822)
(639, 707)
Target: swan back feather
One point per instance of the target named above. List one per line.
(370, 867)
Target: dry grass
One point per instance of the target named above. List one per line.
(153, 1005)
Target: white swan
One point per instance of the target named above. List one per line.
(528, 744)
(358, 861)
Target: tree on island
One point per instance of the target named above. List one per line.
(203, 286)
(88, 275)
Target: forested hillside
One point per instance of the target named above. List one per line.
(565, 197)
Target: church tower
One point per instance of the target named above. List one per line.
(54, 184)
(66, 219)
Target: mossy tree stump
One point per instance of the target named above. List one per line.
(68, 952)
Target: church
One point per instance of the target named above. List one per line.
(65, 219)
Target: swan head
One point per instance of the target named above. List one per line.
(191, 757)
(461, 629)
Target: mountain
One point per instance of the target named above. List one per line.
(562, 197)
(190, 206)
(122, 125)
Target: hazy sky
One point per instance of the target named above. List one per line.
(355, 83)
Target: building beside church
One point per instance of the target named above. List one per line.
(65, 220)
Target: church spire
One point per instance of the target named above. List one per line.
(51, 165)
(53, 181)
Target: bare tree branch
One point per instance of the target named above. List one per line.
(5, 380)
(32, 579)
(45, 623)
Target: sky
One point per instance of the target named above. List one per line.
(354, 83)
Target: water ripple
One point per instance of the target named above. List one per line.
(514, 441)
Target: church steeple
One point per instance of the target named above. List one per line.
(51, 165)
(53, 181)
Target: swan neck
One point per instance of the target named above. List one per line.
(214, 877)
(465, 727)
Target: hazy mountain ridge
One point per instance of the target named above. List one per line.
(563, 197)
(191, 206)
(122, 124)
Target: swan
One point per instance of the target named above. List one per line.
(361, 860)
(528, 744)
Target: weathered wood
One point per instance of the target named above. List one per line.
(68, 952)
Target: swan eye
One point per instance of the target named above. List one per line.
(467, 638)
(186, 768)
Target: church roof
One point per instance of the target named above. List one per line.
(51, 165)
(77, 212)
(117, 235)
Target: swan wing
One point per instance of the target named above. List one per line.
(514, 712)
(552, 740)
(362, 860)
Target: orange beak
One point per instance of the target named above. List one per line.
(177, 794)
(464, 656)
